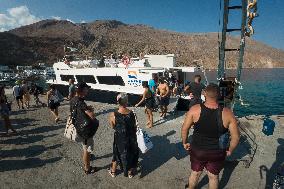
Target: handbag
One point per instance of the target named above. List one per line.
(85, 127)
(143, 139)
(70, 130)
(225, 137)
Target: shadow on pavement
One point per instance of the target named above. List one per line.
(21, 140)
(271, 173)
(227, 172)
(162, 152)
(9, 165)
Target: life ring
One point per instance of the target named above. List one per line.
(125, 60)
(66, 61)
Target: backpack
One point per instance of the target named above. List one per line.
(86, 127)
(21, 91)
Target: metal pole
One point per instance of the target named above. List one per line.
(221, 67)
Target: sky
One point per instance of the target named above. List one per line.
(190, 16)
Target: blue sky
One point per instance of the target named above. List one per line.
(175, 15)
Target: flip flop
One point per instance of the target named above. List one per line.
(92, 170)
(112, 174)
(130, 175)
(56, 120)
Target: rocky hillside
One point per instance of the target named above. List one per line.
(44, 42)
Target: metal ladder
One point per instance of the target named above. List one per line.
(230, 84)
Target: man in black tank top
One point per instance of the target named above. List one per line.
(204, 149)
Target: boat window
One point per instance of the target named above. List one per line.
(86, 78)
(111, 80)
(66, 77)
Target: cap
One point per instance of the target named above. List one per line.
(82, 85)
(18, 82)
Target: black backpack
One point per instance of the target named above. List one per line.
(86, 127)
(21, 91)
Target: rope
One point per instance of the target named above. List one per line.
(251, 14)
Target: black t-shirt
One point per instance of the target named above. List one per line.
(196, 89)
(80, 106)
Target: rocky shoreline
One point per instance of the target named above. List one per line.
(40, 157)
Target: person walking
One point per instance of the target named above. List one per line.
(26, 94)
(18, 94)
(5, 111)
(53, 101)
(210, 121)
(71, 92)
(79, 105)
(153, 83)
(36, 91)
(164, 91)
(196, 89)
(149, 100)
(125, 147)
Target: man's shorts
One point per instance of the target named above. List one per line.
(165, 101)
(87, 144)
(212, 160)
(19, 97)
(53, 106)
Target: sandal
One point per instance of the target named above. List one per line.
(14, 131)
(91, 170)
(112, 173)
(130, 175)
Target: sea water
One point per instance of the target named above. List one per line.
(262, 93)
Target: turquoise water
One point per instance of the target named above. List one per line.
(263, 90)
(262, 93)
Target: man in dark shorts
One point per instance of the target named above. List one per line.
(18, 94)
(204, 148)
(78, 104)
(196, 89)
(164, 92)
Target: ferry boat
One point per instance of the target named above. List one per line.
(111, 77)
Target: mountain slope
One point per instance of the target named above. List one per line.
(44, 41)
